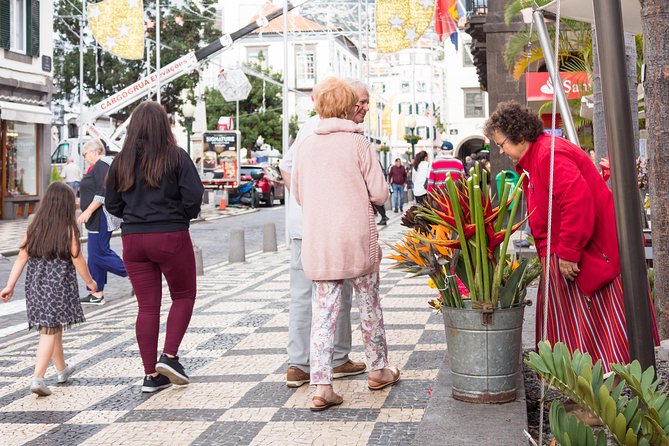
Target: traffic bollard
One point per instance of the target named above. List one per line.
(237, 251)
(269, 238)
(199, 265)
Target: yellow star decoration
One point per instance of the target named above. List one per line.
(118, 26)
(400, 23)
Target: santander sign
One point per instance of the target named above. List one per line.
(539, 87)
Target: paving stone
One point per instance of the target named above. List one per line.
(229, 433)
(223, 341)
(335, 414)
(253, 320)
(391, 434)
(433, 337)
(407, 393)
(172, 415)
(36, 416)
(425, 360)
(67, 434)
(266, 394)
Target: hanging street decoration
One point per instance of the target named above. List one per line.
(400, 23)
(234, 85)
(118, 26)
(446, 16)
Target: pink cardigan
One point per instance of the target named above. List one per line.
(336, 179)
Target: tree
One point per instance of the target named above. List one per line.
(259, 114)
(184, 27)
(656, 87)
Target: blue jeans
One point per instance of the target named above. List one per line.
(101, 258)
(398, 196)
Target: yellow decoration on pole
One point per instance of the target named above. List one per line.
(400, 23)
(118, 26)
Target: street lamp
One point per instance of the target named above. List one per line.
(188, 111)
(411, 123)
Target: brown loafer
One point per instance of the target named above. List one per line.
(296, 377)
(378, 384)
(349, 368)
(318, 403)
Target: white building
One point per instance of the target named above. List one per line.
(315, 51)
(410, 81)
(26, 87)
(465, 105)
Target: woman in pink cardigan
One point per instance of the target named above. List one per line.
(337, 179)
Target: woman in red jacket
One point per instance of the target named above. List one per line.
(585, 298)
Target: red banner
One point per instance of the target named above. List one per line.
(538, 86)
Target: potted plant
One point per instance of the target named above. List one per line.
(460, 241)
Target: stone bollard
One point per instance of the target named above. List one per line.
(199, 264)
(205, 197)
(237, 252)
(269, 238)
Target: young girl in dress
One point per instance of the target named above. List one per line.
(52, 251)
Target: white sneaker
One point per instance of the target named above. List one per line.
(38, 386)
(65, 374)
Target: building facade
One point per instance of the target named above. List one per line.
(26, 87)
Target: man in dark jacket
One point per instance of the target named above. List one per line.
(397, 177)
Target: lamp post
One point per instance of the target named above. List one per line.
(411, 123)
(188, 111)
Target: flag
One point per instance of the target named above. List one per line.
(446, 19)
(118, 26)
(400, 23)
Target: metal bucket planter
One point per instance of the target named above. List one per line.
(484, 350)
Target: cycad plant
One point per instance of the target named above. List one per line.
(458, 235)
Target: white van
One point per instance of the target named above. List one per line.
(71, 148)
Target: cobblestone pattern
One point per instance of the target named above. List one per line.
(235, 353)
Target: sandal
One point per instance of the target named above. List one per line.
(318, 403)
(378, 384)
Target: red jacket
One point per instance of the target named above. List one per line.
(584, 224)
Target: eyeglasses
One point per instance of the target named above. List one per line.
(501, 145)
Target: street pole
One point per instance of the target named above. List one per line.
(620, 141)
(284, 94)
(413, 143)
(189, 130)
(82, 23)
(237, 117)
(545, 42)
(158, 50)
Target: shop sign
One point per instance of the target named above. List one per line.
(221, 155)
(539, 87)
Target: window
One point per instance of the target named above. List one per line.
(423, 132)
(474, 104)
(467, 59)
(17, 26)
(422, 108)
(61, 154)
(404, 86)
(379, 87)
(21, 159)
(421, 86)
(405, 108)
(257, 55)
(306, 68)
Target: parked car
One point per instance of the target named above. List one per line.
(71, 148)
(270, 186)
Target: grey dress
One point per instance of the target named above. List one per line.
(52, 295)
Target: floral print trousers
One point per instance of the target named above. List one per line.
(326, 300)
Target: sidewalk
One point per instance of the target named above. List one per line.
(235, 353)
(11, 231)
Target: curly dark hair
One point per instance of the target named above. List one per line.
(515, 122)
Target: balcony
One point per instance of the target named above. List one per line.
(476, 7)
(476, 19)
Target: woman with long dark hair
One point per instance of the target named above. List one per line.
(421, 170)
(155, 188)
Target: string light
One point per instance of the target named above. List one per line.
(400, 23)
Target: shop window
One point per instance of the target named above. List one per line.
(21, 162)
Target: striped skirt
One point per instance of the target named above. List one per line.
(593, 324)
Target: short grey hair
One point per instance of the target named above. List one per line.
(355, 83)
(94, 145)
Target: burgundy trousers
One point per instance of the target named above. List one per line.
(148, 257)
